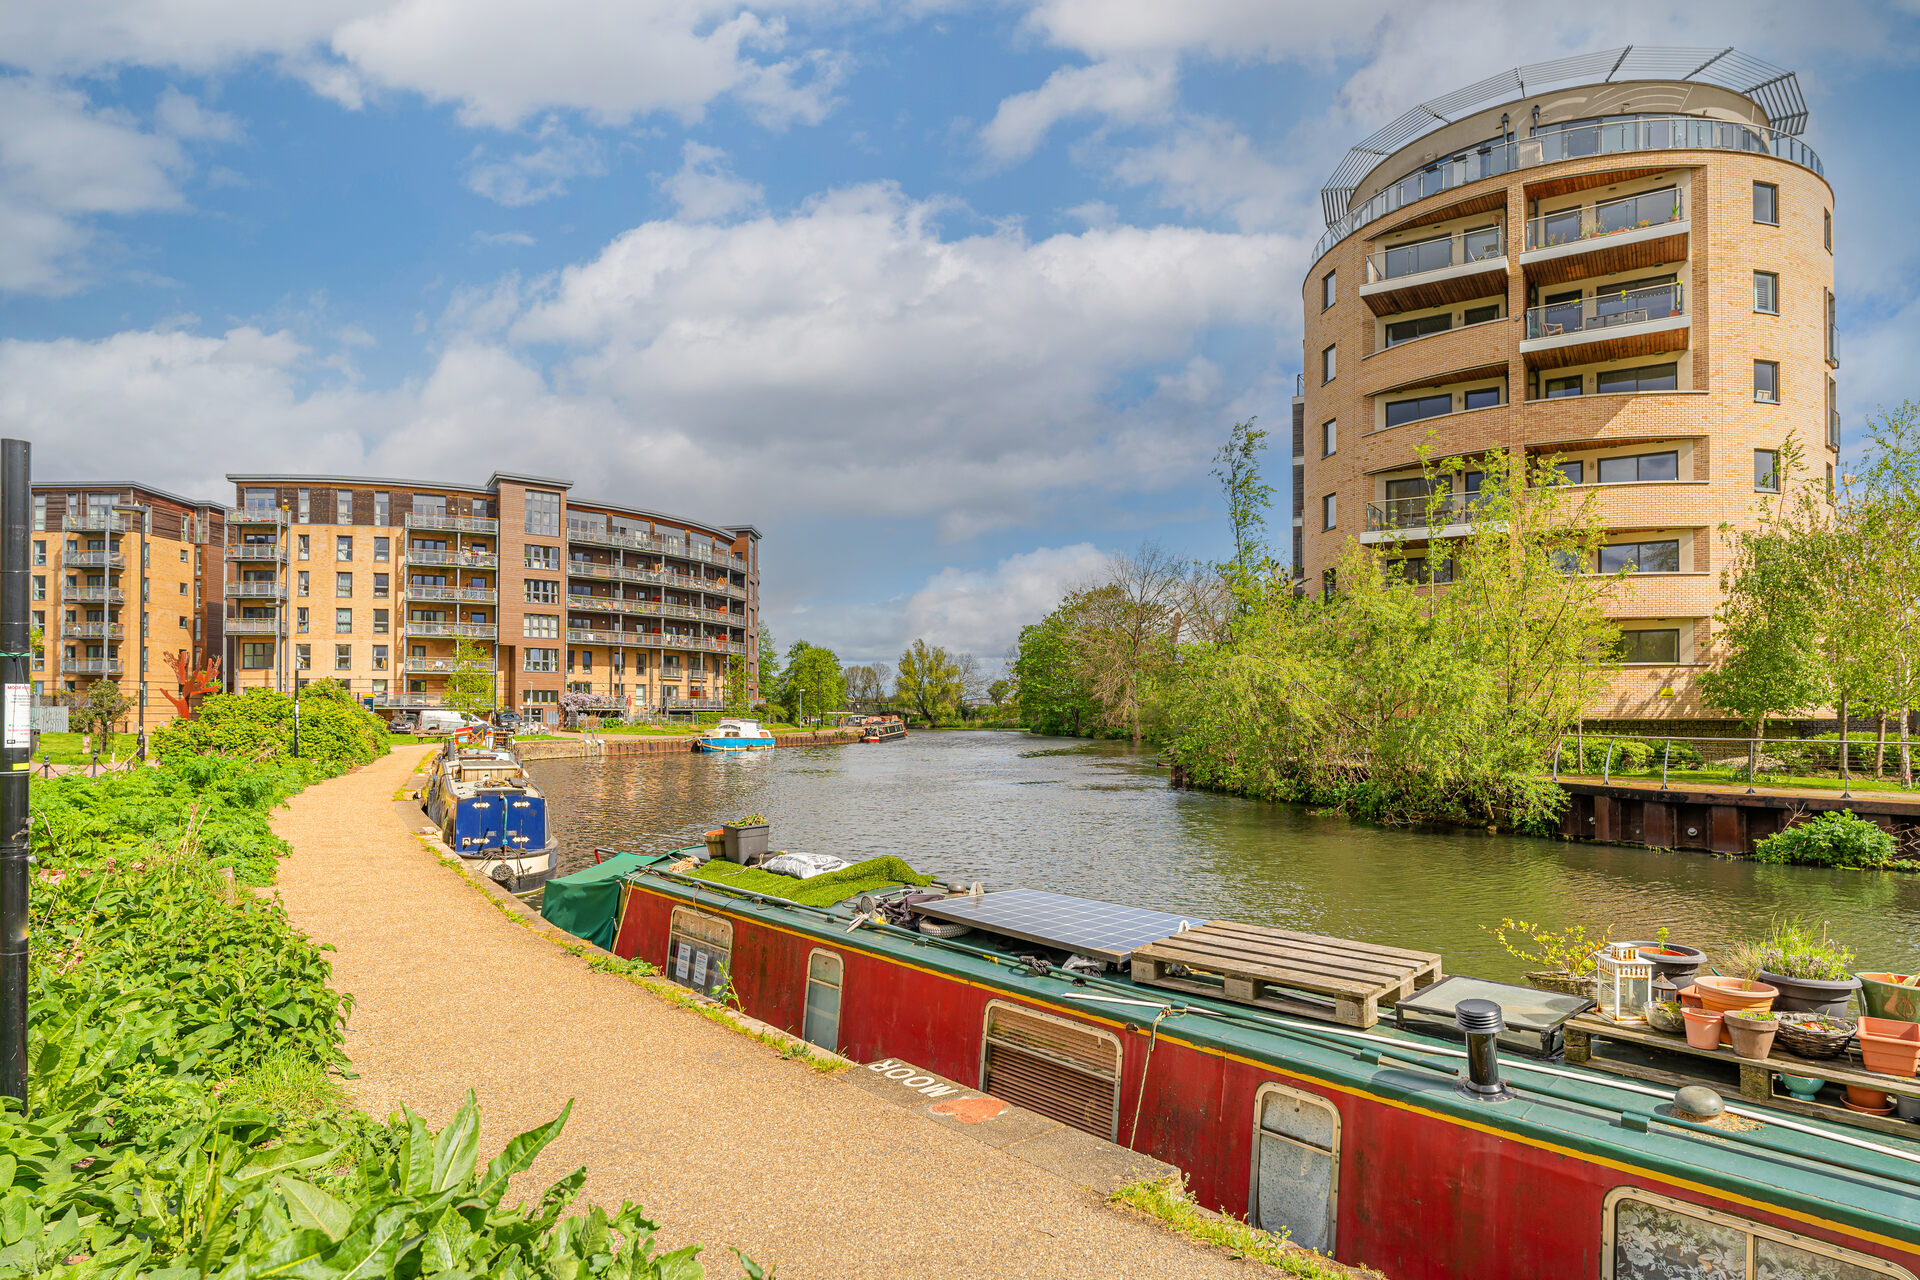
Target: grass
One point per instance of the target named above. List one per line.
(823, 890)
(1166, 1201)
(64, 748)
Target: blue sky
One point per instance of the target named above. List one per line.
(949, 300)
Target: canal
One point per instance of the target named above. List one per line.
(1101, 822)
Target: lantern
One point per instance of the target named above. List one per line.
(1624, 982)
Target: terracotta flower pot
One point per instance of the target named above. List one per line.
(1888, 1047)
(1872, 1101)
(1723, 995)
(1703, 1027)
(1752, 1037)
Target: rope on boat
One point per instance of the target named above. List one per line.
(1140, 1095)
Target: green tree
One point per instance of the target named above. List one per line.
(1127, 633)
(1237, 467)
(738, 700)
(105, 707)
(471, 685)
(931, 683)
(999, 690)
(812, 683)
(769, 664)
(1047, 686)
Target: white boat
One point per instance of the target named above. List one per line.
(735, 735)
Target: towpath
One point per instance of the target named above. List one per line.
(723, 1141)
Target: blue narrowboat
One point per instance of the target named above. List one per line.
(489, 810)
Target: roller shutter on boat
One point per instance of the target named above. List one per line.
(1053, 1067)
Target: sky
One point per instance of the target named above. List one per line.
(951, 301)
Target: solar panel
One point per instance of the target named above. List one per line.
(1101, 930)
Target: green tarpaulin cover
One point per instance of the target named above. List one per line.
(587, 903)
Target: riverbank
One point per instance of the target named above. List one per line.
(718, 1136)
(601, 746)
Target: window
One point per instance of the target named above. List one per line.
(343, 620)
(382, 550)
(1480, 315)
(1400, 412)
(381, 586)
(343, 547)
(1766, 381)
(1329, 437)
(1832, 314)
(1641, 557)
(1483, 398)
(1766, 292)
(1415, 569)
(379, 622)
(1327, 290)
(256, 655)
(1561, 388)
(543, 660)
(1650, 1237)
(342, 585)
(379, 657)
(1650, 377)
(1327, 364)
(1831, 494)
(542, 557)
(1766, 203)
(1296, 1166)
(343, 657)
(542, 592)
(541, 626)
(1061, 1069)
(300, 621)
(40, 551)
(1766, 470)
(303, 547)
(543, 513)
(699, 949)
(1833, 415)
(1571, 472)
(40, 512)
(1827, 224)
(382, 508)
(1330, 511)
(303, 582)
(1407, 330)
(1640, 467)
(305, 505)
(540, 695)
(586, 660)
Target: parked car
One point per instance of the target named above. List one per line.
(508, 720)
(436, 723)
(406, 722)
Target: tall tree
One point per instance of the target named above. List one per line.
(1237, 467)
(1129, 630)
(769, 664)
(812, 682)
(738, 700)
(471, 687)
(931, 683)
(1047, 686)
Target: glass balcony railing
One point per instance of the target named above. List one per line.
(459, 595)
(1420, 512)
(1458, 249)
(1599, 316)
(1635, 133)
(268, 590)
(254, 551)
(95, 522)
(1608, 218)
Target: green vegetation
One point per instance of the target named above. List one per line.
(336, 732)
(751, 820)
(812, 683)
(1793, 950)
(933, 684)
(869, 876)
(1569, 950)
(1829, 840)
(105, 707)
(1167, 1201)
(472, 688)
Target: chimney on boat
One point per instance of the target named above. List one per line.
(1482, 1022)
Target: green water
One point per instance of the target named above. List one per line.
(1104, 824)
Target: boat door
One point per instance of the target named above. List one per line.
(523, 821)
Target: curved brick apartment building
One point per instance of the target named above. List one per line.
(1624, 259)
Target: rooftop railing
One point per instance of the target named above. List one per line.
(1461, 248)
(1599, 316)
(1608, 218)
(1637, 133)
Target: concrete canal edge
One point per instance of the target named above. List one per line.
(629, 744)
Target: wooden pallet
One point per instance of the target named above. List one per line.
(1302, 973)
(1756, 1074)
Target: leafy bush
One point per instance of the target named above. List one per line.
(1829, 840)
(336, 732)
(1571, 950)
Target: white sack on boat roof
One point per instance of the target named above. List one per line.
(803, 866)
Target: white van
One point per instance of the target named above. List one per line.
(434, 723)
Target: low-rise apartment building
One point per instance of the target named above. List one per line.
(123, 577)
(377, 582)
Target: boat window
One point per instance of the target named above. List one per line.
(1652, 1237)
(699, 950)
(1060, 1069)
(822, 1022)
(1296, 1165)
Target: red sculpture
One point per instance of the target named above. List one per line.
(193, 683)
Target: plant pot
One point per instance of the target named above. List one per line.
(1872, 1101)
(1810, 995)
(1906, 1108)
(1670, 960)
(1688, 998)
(1799, 1037)
(746, 845)
(1723, 995)
(1561, 981)
(716, 844)
(1805, 1088)
(1665, 1015)
(1882, 995)
(1752, 1037)
(1888, 1047)
(1703, 1027)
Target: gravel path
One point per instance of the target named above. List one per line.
(722, 1140)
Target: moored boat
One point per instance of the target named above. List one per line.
(882, 729)
(1370, 1143)
(489, 811)
(735, 735)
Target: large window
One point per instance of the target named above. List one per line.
(343, 506)
(539, 557)
(1480, 315)
(1404, 411)
(1562, 388)
(1766, 203)
(343, 547)
(1640, 467)
(1660, 644)
(1766, 292)
(542, 661)
(1419, 327)
(343, 657)
(1571, 472)
(543, 513)
(342, 585)
(343, 620)
(1648, 377)
(382, 550)
(1296, 1166)
(429, 504)
(1651, 1237)
(699, 949)
(382, 509)
(256, 656)
(1641, 557)
(540, 591)
(1327, 291)
(820, 1025)
(1766, 470)
(1766, 381)
(1328, 364)
(542, 626)
(1481, 398)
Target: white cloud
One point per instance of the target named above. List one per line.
(182, 116)
(536, 175)
(706, 188)
(1207, 167)
(981, 611)
(1115, 90)
(503, 239)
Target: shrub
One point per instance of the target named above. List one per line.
(1829, 840)
(336, 732)
(1793, 950)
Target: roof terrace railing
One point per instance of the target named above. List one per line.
(1609, 217)
(1598, 315)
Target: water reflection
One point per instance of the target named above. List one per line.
(1105, 825)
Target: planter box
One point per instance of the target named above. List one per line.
(746, 845)
(1810, 995)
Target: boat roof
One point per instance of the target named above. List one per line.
(753, 725)
(1864, 1181)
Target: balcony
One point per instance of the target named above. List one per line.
(257, 516)
(430, 666)
(458, 595)
(1613, 326)
(601, 536)
(454, 559)
(695, 704)
(90, 666)
(608, 604)
(591, 635)
(454, 524)
(383, 701)
(92, 595)
(601, 702)
(93, 560)
(253, 626)
(256, 591)
(255, 551)
(1633, 233)
(1398, 519)
(94, 522)
(92, 631)
(452, 630)
(1433, 273)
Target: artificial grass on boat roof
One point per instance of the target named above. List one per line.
(820, 891)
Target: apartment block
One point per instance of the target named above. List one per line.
(123, 577)
(1622, 261)
(377, 583)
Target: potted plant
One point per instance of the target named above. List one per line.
(1891, 995)
(1813, 973)
(1814, 1035)
(1564, 959)
(746, 839)
(1673, 961)
(1752, 1031)
(1720, 994)
(1703, 1027)
(1664, 1015)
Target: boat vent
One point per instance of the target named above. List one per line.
(1051, 1066)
